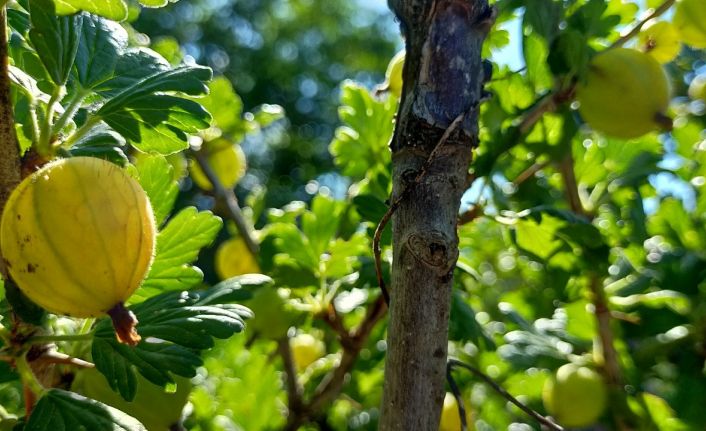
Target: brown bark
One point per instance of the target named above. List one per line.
(435, 134)
(9, 151)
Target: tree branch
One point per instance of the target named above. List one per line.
(635, 30)
(435, 134)
(332, 384)
(231, 201)
(9, 150)
(390, 211)
(611, 364)
(499, 389)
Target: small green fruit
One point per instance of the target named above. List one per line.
(234, 258)
(306, 349)
(227, 161)
(576, 396)
(450, 420)
(393, 75)
(690, 22)
(625, 94)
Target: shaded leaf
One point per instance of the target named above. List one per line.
(55, 39)
(175, 327)
(102, 42)
(158, 123)
(63, 410)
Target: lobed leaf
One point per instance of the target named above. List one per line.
(178, 244)
(64, 410)
(175, 327)
(155, 176)
(101, 44)
(55, 39)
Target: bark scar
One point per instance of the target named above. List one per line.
(434, 249)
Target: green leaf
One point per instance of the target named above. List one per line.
(662, 414)
(535, 51)
(27, 310)
(178, 244)
(55, 39)
(103, 143)
(538, 238)
(362, 142)
(26, 84)
(153, 3)
(185, 79)
(675, 301)
(18, 20)
(132, 66)
(111, 9)
(102, 42)
(63, 410)
(463, 325)
(343, 256)
(155, 176)
(569, 53)
(370, 207)
(320, 224)
(158, 123)
(291, 241)
(544, 17)
(174, 327)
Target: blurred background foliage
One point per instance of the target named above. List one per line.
(291, 53)
(298, 97)
(530, 267)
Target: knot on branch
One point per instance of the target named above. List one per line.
(434, 249)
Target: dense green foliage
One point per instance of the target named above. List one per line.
(573, 245)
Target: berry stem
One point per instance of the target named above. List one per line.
(124, 322)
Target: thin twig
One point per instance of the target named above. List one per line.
(459, 398)
(529, 172)
(499, 389)
(54, 357)
(332, 384)
(331, 317)
(294, 389)
(407, 190)
(611, 365)
(231, 201)
(664, 7)
(571, 190)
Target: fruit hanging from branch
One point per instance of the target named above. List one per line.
(227, 161)
(576, 396)
(450, 419)
(78, 238)
(625, 94)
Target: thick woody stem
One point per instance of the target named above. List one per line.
(436, 131)
(9, 150)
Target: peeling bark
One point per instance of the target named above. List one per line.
(443, 78)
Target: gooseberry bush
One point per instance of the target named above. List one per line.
(581, 275)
